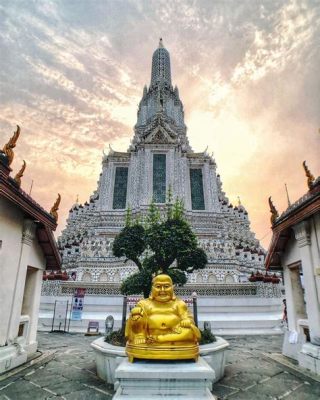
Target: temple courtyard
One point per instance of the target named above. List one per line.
(65, 369)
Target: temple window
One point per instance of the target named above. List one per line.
(159, 178)
(196, 183)
(120, 188)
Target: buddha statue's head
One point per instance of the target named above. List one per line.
(162, 288)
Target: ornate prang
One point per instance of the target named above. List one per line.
(225, 235)
(55, 208)
(7, 149)
(308, 175)
(19, 175)
(274, 212)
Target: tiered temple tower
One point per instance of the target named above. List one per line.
(159, 157)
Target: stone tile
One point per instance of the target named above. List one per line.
(49, 381)
(24, 390)
(243, 380)
(252, 395)
(87, 394)
(222, 391)
(305, 392)
(66, 387)
(279, 385)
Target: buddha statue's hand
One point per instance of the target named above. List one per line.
(139, 339)
(151, 339)
(185, 323)
(136, 313)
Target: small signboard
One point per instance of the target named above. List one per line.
(77, 304)
(59, 319)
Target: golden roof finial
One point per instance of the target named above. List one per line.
(308, 175)
(239, 202)
(19, 175)
(274, 212)
(7, 149)
(55, 208)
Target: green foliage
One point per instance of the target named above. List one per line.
(128, 221)
(153, 217)
(165, 245)
(130, 243)
(116, 338)
(207, 337)
(138, 283)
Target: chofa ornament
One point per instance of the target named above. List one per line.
(161, 327)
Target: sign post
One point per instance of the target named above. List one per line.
(77, 304)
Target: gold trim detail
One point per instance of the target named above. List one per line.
(274, 212)
(308, 175)
(7, 149)
(55, 208)
(19, 175)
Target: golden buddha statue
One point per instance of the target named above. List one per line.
(161, 327)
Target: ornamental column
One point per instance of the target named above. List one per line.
(302, 235)
(28, 235)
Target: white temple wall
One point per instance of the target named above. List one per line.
(11, 222)
(22, 263)
(227, 315)
(106, 181)
(170, 168)
(133, 181)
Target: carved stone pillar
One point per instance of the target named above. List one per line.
(303, 237)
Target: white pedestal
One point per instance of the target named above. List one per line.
(11, 357)
(309, 357)
(175, 380)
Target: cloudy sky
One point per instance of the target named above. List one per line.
(72, 74)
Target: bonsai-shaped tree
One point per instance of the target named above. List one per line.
(159, 245)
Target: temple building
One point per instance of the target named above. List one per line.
(27, 249)
(160, 157)
(295, 251)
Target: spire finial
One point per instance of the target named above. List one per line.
(308, 175)
(239, 202)
(288, 198)
(160, 42)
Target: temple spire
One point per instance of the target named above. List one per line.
(161, 70)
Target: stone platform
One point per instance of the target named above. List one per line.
(145, 379)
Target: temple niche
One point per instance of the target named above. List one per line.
(160, 157)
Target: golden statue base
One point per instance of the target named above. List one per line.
(177, 351)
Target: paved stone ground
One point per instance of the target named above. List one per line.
(69, 374)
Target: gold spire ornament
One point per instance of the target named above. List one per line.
(161, 327)
(7, 149)
(19, 175)
(274, 212)
(55, 208)
(308, 175)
